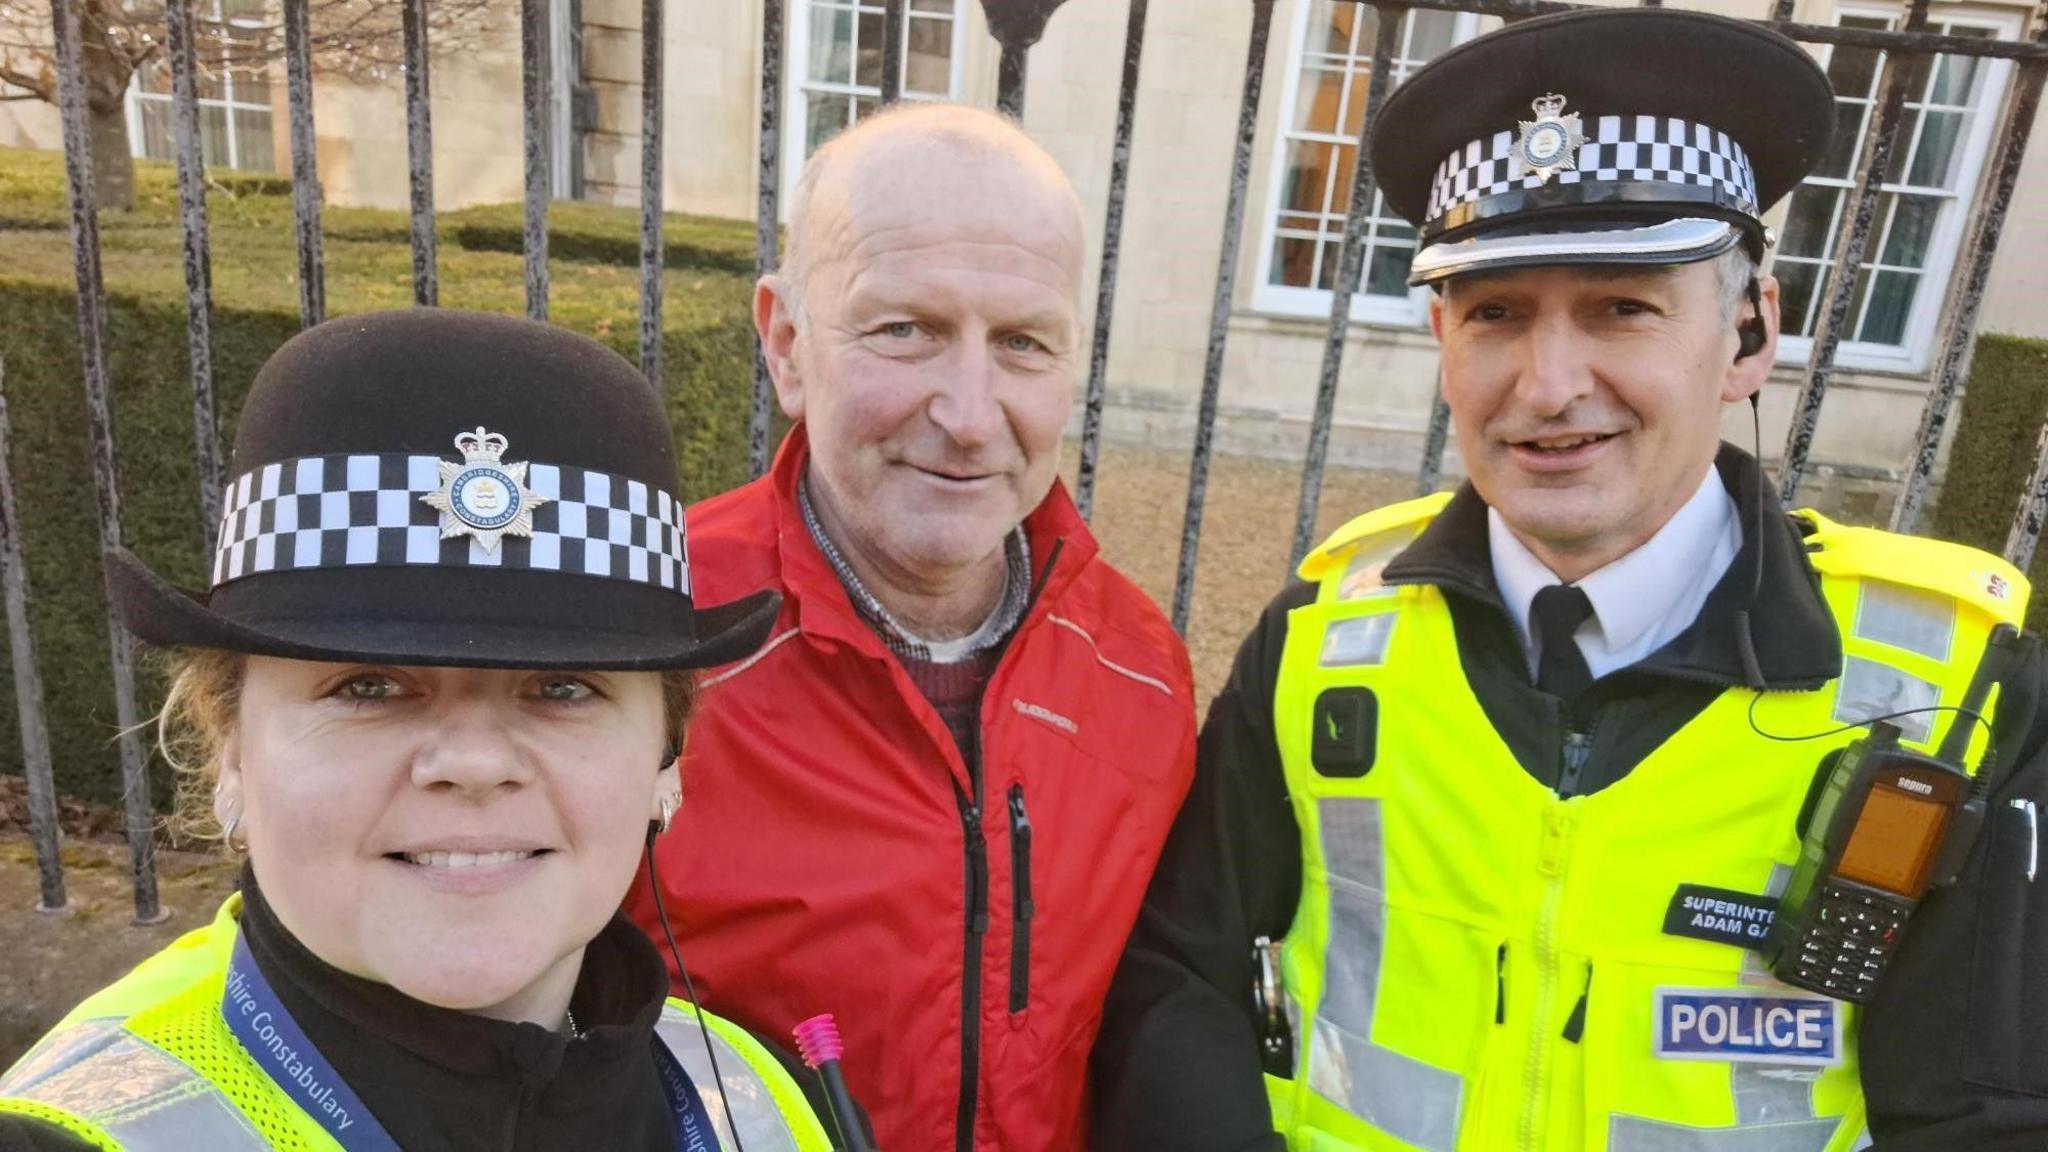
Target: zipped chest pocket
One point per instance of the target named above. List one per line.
(1022, 910)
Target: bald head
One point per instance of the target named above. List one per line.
(924, 332)
(899, 166)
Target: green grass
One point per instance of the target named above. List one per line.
(707, 365)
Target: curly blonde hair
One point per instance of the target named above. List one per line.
(199, 714)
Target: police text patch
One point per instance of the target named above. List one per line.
(1747, 1027)
(1720, 915)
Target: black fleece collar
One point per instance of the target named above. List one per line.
(1786, 626)
(439, 1078)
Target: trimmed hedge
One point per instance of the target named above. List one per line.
(606, 234)
(706, 348)
(1993, 455)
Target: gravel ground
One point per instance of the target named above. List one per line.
(1247, 530)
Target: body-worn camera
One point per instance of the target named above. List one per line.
(1886, 825)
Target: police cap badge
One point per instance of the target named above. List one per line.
(1658, 137)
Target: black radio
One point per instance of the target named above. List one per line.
(1887, 824)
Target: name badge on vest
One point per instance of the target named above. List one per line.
(1748, 1027)
(1720, 916)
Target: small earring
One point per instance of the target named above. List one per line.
(669, 803)
(228, 826)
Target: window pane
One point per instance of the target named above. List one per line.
(1316, 104)
(1388, 275)
(1294, 259)
(153, 77)
(1913, 219)
(825, 116)
(156, 139)
(1796, 294)
(928, 65)
(1345, 157)
(831, 50)
(1889, 304)
(213, 135)
(1354, 103)
(1809, 221)
(941, 6)
(1331, 249)
(1336, 22)
(1308, 175)
(1854, 70)
(1939, 156)
(1846, 144)
(252, 140)
(1955, 77)
(1429, 32)
(213, 69)
(867, 69)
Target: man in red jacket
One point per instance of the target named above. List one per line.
(931, 802)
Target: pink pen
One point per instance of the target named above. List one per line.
(817, 1040)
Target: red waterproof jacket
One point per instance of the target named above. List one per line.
(833, 855)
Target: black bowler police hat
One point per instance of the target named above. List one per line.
(1617, 136)
(449, 488)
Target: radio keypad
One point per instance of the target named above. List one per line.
(1852, 936)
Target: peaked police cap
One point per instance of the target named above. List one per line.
(1608, 136)
(448, 488)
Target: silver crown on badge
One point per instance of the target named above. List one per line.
(483, 497)
(1549, 143)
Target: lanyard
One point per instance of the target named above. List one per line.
(282, 1050)
(274, 1041)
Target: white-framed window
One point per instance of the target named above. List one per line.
(1925, 201)
(835, 66)
(1330, 65)
(233, 86)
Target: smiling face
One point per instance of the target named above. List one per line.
(1587, 400)
(930, 348)
(458, 834)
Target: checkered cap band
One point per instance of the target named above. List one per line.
(1618, 149)
(359, 511)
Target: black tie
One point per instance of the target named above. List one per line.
(1556, 614)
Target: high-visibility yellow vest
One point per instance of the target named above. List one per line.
(149, 1065)
(1476, 964)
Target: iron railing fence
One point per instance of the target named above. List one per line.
(1016, 25)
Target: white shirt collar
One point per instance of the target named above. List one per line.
(1644, 598)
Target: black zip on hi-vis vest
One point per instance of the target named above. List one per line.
(1021, 907)
(976, 850)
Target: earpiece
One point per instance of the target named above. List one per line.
(1751, 333)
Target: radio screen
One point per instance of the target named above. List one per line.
(1893, 842)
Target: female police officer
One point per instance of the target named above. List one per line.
(436, 689)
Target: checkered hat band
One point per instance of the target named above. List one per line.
(1617, 149)
(365, 511)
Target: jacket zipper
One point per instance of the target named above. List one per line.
(1021, 907)
(1559, 820)
(1578, 749)
(970, 973)
(976, 850)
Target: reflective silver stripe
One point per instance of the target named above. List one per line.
(146, 1099)
(1635, 1134)
(1869, 689)
(1401, 1096)
(1773, 1093)
(1359, 640)
(1909, 618)
(1863, 1141)
(761, 1125)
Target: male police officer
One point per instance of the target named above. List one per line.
(1497, 770)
